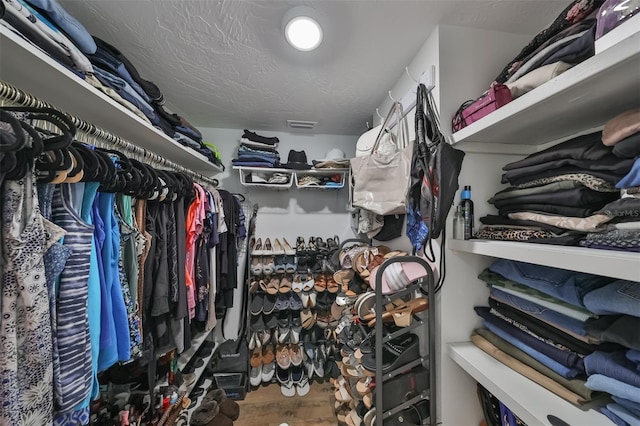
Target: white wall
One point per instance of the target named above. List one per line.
(292, 213)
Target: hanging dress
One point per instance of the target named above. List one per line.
(74, 341)
(26, 364)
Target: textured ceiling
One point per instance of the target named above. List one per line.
(226, 63)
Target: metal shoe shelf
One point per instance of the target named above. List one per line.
(428, 331)
(294, 177)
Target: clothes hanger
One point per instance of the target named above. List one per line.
(17, 142)
(77, 173)
(25, 157)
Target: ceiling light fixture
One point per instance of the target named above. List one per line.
(301, 30)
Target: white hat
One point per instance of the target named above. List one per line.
(335, 158)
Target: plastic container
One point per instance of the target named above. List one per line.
(228, 380)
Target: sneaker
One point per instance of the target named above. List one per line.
(282, 357)
(302, 386)
(255, 376)
(287, 388)
(268, 371)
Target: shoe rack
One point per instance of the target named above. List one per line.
(290, 323)
(426, 330)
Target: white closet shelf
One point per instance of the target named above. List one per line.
(528, 400)
(616, 264)
(33, 71)
(592, 92)
(294, 175)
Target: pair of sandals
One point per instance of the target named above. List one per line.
(326, 282)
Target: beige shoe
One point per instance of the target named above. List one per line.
(287, 248)
(277, 247)
(282, 357)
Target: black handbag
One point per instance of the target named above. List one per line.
(231, 357)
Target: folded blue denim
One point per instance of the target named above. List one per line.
(533, 295)
(186, 141)
(70, 25)
(618, 297)
(603, 383)
(541, 343)
(543, 313)
(188, 131)
(632, 178)
(621, 329)
(614, 365)
(495, 327)
(103, 58)
(569, 286)
(633, 355)
(614, 418)
(626, 415)
(124, 89)
(555, 336)
(634, 407)
(149, 87)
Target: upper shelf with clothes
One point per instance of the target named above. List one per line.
(30, 69)
(588, 94)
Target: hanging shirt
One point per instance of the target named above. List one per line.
(26, 363)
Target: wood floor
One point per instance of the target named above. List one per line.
(267, 407)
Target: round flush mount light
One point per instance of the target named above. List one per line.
(301, 30)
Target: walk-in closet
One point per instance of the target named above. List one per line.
(320, 213)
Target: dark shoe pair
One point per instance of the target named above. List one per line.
(395, 353)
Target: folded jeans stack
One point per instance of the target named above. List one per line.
(257, 151)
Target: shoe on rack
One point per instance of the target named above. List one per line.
(280, 266)
(301, 247)
(255, 376)
(295, 355)
(268, 304)
(296, 329)
(282, 357)
(268, 248)
(277, 247)
(268, 354)
(285, 284)
(295, 303)
(256, 265)
(256, 358)
(288, 250)
(257, 248)
(282, 302)
(268, 371)
(287, 388)
(290, 266)
(395, 354)
(300, 380)
(297, 284)
(268, 265)
(256, 304)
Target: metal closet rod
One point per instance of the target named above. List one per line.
(19, 97)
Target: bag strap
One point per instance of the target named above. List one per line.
(396, 109)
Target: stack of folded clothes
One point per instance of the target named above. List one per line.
(558, 195)
(257, 151)
(45, 24)
(559, 327)
(622, 133)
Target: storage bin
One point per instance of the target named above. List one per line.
(234, 385)
(227, 380)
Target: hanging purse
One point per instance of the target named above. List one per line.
(381, 179)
